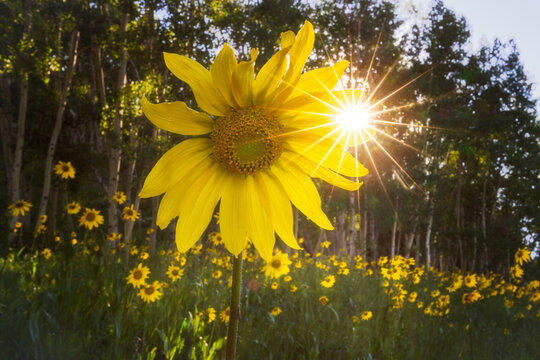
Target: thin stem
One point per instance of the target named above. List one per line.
(234, 312)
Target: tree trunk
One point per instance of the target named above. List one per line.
(394, 230)
(115, 141)
(72, 60)
(354, 218)
(428, 235)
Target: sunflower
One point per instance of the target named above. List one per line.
(43, 218)
(211, 314)
(323, 300)
(119, 197)
(522, 255)
(19, 207)
(129, 213)
(276, 311)
(73, 207)
(257, 145)
(91, 218)
(64, 169)
(174, 272)
(328, 281)
(137, 277)
(224, 315)
(366, 315)
(277, 266)
(150, 292)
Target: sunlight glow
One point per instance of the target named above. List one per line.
(354, 118)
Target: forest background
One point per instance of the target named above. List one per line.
(461, 193)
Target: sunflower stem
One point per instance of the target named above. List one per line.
(234, 312)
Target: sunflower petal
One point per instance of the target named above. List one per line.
(201, 200)
(315, 170)
(302, 192)
(269, 77)
(174, 201)
(322, 79)
(260, 229)
(177, 117)
(174, 164)
(222, 70)
(277, 203)
(299, 52)
(200, 81)
(242, 83)
(232, 214)
(326, 153)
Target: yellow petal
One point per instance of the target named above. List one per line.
(177, 117)
(242, 83)
(260, 229)
(269, 77)
(287, 39)
(277, 203)
(313, 169)
(174, 164)
(302, 192)
(200, 81)
(298, 54)
(232, 213)
(222, 70)
(201, 200)
(174, 201)
(254, 54)
(319, 80)
(325, 152)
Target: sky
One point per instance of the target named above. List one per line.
(502, 19)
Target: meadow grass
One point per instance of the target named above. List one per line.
(74, 302)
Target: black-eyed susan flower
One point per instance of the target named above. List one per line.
(174, 272)
(19, 207)
(366, 315)
(91, 218)
(43, 218)
(470, 280)
(323, 300)
(328, 281)
(277, 266)
(258, 142)
(119, 197)
(211, 314)
(114, 236)
(137, 277)
(224, 315)
(65, 170)
(73, 208)
(151, 292)
(516, 272)
(522, 255)
(274, 285)
(129, 213)
(46, 253)
(276, 311)
(293, 288)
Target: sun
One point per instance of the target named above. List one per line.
(354, 118)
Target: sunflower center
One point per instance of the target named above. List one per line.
(246, 141)
(276, 264)
(149, 290)
(90, 217)
(137, 274)
(65, 168)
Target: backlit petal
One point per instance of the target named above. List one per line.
(222, 70)
(174, 164)
(201, 200)
(177, 117)
(242, 83)
(302, 192)
(174, 201)
(200, 81)
(232, 213)
(260, 229)
(322, 79)
(278, 204)
(269, 78)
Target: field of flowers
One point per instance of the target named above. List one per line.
(93, 296)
